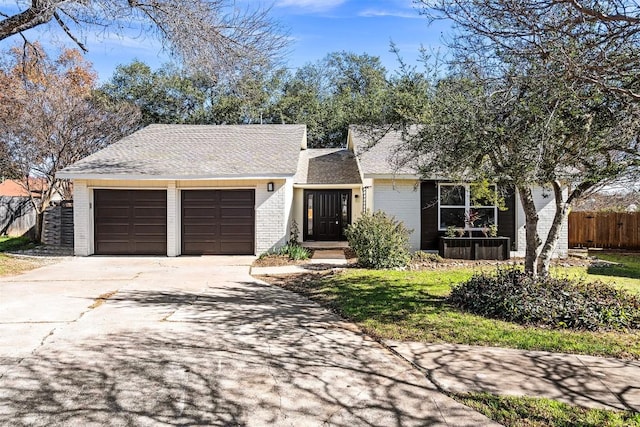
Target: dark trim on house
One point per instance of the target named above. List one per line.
(429, 227)
(507, 218)
(429, 233)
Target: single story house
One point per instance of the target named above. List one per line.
(237, 189)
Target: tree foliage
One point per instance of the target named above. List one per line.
(49, 117)
(589, 41)
(538, 95)
(341, 89)
(213, 36)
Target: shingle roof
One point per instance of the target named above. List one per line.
(198, 151)
(382, 157)
(327, 166)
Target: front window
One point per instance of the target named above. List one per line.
(462, 206)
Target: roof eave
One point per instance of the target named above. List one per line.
(142, 177)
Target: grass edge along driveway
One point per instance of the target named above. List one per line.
(411, 306)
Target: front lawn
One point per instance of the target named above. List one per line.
(536, 412)
(625, 275)
(13, 243)
(412, 306)
(11, 265)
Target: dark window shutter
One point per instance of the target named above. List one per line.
(429, 215)
(507, 218)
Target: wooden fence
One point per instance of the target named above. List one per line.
(17, 215)
(616, 230)
(57, 227)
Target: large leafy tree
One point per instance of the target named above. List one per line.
(541, 93)
(214, 36)
(167, 95)
(526, 132)
(341, 89)
(174, 95)
(50, 118)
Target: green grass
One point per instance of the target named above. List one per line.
(10, 265)
(13, 243)
(412, 306)
(537, 412)
(626, 275)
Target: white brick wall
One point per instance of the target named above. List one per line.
(545, 204)
(173, 220)
(400, 198)
(272, 216)
(82, 215)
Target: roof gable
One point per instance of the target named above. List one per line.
(197, 151)
(329, 166)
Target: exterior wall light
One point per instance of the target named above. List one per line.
(270, 186)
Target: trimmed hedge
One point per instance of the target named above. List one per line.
(559, 303)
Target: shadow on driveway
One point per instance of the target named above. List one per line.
(240, 353)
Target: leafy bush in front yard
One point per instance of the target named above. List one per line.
(379, 241)
(512, 295)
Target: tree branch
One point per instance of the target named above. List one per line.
(39, 13)
(67, 31)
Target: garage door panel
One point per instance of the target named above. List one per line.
(195, 212)
(203, 230)
(130, 222)
(240, 231)
(231, 248)
(218, 222)
(241, 196)
(236, 213)
(112, 212)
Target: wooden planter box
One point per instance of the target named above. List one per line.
(496, 248)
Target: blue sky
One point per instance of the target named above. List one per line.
(316, 28)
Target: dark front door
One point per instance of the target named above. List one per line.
(327, 213)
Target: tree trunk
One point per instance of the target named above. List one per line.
(531, 229)
(562, 210)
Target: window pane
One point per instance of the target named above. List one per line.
(451, 217)
(310, 214)
(483, 196)
(452, 195)
(485, 217)
(344, 208)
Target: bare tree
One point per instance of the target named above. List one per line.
(50, 119)
(213, 36)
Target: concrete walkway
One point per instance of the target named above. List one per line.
(322, 259)
(195, 341)
(593, 382)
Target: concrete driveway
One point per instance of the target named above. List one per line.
(194, 341)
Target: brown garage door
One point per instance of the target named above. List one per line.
(130, 222)
(216, 222)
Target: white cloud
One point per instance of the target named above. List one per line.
(380, 13)
(310, 5)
